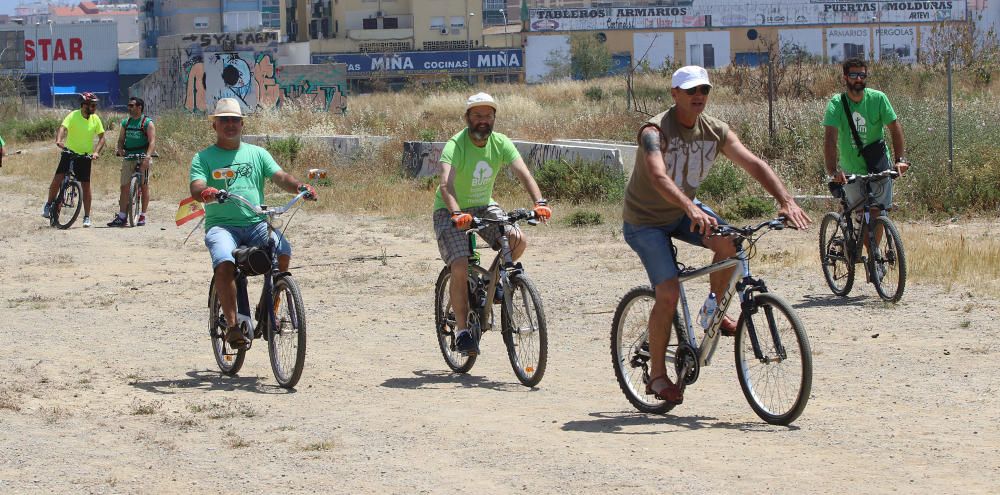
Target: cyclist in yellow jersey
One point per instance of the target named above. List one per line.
(77, 135)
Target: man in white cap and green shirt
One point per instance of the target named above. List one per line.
(470, 163)
(230, 224)
(677, 150)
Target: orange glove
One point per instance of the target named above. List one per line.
(208, 194)
(461, 220)
(310, 191)
(542, 211)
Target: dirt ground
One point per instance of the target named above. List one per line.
(109, 386)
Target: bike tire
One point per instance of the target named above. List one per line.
(835, 256)
(229, 360)
(286, 344)
(134, 201)
(524, 330)
(888, 265)
(760, 379)
(629, 330)
(66, 207)
(444, 322)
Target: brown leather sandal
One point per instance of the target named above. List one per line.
(671, 393)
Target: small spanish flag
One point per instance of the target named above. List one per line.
(188, 210)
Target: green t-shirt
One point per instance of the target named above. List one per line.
(871, 115)
(80, 131)
(136, 140)
(476, 168)
(252, 164)
(2, 144)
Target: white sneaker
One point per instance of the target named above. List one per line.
(86, 221)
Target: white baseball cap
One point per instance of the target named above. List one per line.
(480, 100)
(227, 107)
(689, 76)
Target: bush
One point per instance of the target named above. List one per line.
(285, 150)
(723, 182)
(583, 218)
(578, 182)
(746, 207)
(594, 93)
(42, 129)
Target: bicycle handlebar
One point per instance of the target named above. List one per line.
(777, 223)
(512, 217)
(223, 195)
(67, 151)
(887, 173)
(139, 156)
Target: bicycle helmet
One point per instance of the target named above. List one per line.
(88, 97)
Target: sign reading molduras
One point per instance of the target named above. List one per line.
(407, 62)
(716, 13)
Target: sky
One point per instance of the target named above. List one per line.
(7, 6)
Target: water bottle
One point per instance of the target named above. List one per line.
(707, 311)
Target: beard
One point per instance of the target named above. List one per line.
(857, 86)
(481, 131)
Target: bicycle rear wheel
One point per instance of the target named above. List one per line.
(630, 349)
(524, 332)
(777, 385)
(134, 201)
(66, 207)
(835, 255)
(887, 265)
(287, 343)
(229, 360)
(446, 325)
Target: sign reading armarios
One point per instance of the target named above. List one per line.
(613, 18)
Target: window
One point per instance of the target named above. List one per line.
(457, 22)
(201, 22)
(390, 23)
(238, 21)
(437, 23)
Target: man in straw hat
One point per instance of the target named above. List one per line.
(470, 163)
(677, 149)
(230, 224)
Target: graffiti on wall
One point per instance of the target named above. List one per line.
(322, 87)
(195, 71)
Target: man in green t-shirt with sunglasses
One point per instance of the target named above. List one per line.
(470, 163)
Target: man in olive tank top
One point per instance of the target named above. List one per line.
(137, 136)
(677, 150)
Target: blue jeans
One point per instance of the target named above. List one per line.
(654, 246)
(221, 240)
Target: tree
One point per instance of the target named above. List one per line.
(589, 55)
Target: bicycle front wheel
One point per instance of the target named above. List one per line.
(446, 324)
(887, 265)
(630, 349)
(67, 205)
(524, 331)
(287, 342)
(230, 360)
(835, 255)
(777, 382)
(134, 201)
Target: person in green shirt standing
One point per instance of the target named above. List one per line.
(470, 163)
(137, 136)
(231, 224)
(76, 134)
(872, 113)
(3, 150)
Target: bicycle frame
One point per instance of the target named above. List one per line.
(866, 203)
(500, 270)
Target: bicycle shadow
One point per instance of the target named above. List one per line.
(208, 380)
(620, 423)
(829, 300)
(429, 380)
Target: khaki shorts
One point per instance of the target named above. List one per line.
(453, 243)
(881, 189)
(128, 168)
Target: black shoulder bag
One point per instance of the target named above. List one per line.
(875, 153)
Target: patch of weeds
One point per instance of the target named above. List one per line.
(321, 446)
(247, 410)
(9, 401)
(594, 93)
(33, 301)
(579, 181)
(965, 324)
(54, 414)
(746, 207)
(583, 218)
(235, 441)
(140, 408)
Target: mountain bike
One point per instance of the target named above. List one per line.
(522, 318)
(773, 357)
(70, 196)
(134, 208)
(280, 315)
(840, 246)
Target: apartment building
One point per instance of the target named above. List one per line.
(170, 17)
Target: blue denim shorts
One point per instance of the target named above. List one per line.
(655, 248)
(221, 240)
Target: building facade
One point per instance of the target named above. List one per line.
(172, 17)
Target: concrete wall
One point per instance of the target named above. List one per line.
(342, 146)
(420, 159)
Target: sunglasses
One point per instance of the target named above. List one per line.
(857, 75)
(130, 105)
(227, 120)
(704, 89)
